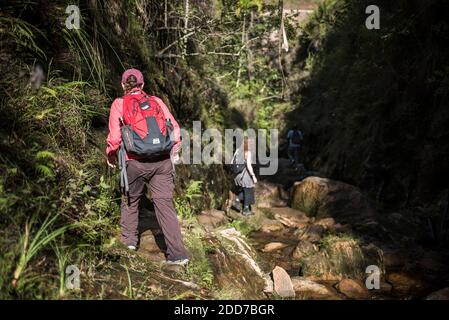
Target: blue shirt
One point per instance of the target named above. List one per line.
(290, 137)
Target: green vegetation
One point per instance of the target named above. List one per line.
(199, 269)
(372, 104)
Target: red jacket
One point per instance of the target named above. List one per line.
(114, 137)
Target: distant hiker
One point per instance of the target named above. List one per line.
(145, 135)
(294, 139)
(245, 179)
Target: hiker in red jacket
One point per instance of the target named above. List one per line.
(146, 137)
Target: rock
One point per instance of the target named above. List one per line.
(326, 223)
(404, 284)
(274, 246)
(339, 228)
(394, 260)
(338, 258)
(269, 195)
(290, 217)
(234, 265)
(385, 287)
(152, 245)
(270, 226)
(309, 287)
(152, 242)
(211, 219)
(304, 249)
(322, 197)
(353, 289)
(318, 266)
(282, 283)
(442, 294)
(312, 233)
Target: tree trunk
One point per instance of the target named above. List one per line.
(239, 71)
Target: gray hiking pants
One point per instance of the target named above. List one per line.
(158, 176)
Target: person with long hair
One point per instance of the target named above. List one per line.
(245, 181)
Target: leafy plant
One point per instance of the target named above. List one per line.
(33, 243)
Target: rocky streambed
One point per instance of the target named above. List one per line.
(319, 239)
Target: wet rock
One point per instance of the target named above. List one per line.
(405, 284)
(442, 294)
(274, 246)
(322, 197)
(282, 283)
(270, 226)
(290, 217)
(312, 234)
(269, 195)
(212, 218)
(353, 289)
(304, 249)
(310, 288)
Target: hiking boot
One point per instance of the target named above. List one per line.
(247, 212)
(236, 205)
(180, 262)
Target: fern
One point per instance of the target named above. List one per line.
(45, 154)
(193, 190)
(45, 170)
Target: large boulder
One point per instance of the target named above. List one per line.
(340, 257)
(269, 195)
(283, 285)
(321, 197)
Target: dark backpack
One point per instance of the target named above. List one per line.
(145, 130)
(237, 167)
(296, 137)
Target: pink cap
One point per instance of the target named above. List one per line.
(133, 72)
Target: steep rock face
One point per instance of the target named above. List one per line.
(378, 120)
